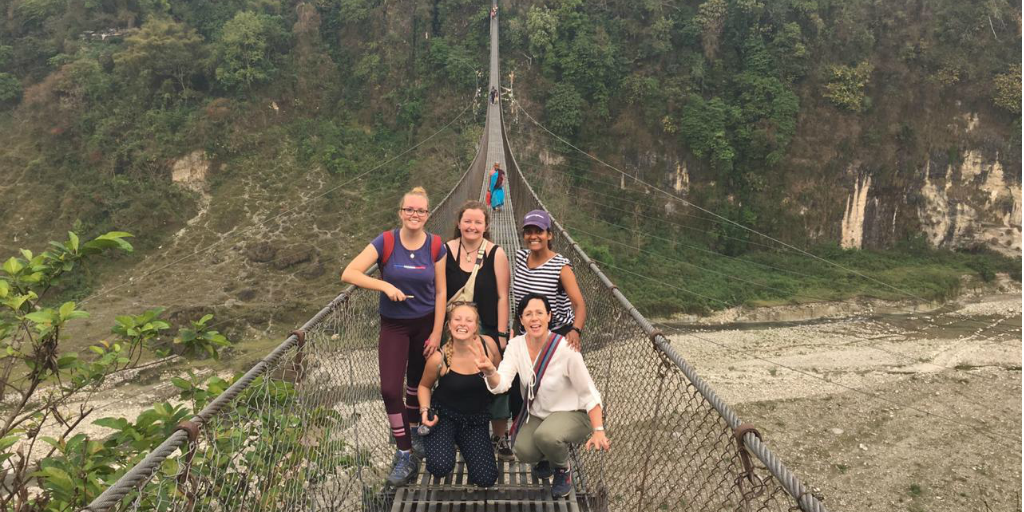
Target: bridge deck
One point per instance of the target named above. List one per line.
(515, 491)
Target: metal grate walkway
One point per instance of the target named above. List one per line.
(317, 442)
(515, 491)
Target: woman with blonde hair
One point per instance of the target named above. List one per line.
(412, 308)
(473, 257)
(457, 410)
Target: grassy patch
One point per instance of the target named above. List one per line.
(677, 273)
(915, 490)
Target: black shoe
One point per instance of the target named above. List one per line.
(502, 449)
(561, 485)
(542, 470)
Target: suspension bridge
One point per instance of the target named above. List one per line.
(304, 428)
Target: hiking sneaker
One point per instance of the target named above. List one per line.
(417, 444)
(561, 485)
(403, 468)
(542, 470)
(502, 448)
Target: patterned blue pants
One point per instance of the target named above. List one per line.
(470, 433)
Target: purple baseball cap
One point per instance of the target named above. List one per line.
(539, 218)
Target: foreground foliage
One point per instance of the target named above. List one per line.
(48, 391)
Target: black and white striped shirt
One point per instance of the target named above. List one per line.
(543, 280)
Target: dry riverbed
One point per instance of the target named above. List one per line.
(906, 411)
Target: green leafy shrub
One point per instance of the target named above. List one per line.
(845, 87)
(39, 378)
(1008, 90)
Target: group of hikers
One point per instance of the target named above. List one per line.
(452, 374)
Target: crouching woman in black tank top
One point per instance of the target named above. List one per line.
(461, 401)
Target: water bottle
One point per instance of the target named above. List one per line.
(423, 430)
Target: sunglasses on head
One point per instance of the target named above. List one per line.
(458, 303)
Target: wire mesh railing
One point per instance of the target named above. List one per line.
(675, 442)
(303, 429)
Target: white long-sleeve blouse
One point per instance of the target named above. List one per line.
(566, 385)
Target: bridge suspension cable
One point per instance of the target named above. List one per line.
(297, 204)
(302, 429)
(723, 220)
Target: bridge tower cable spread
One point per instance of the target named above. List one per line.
(303, 429)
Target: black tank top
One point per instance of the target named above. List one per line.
(465, 394)
(485, 293)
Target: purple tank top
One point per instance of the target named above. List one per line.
(413, 273)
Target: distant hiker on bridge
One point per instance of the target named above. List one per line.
(563, 406)
(461, 401)
(473, 257)
(494, 95)
(496, 187)
(494, 11)
(412, 308)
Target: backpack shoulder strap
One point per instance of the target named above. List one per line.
(435, 246)
(389, 247)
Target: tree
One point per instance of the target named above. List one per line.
(564, 109)
(845, 88)
(541, 30)
(1008, 90)
(10, 88)
(162, 49)
(246, 48)
(711, 18)
(705, 127)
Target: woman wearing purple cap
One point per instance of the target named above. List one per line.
(539, 269)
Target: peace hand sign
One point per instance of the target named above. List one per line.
(483, 363)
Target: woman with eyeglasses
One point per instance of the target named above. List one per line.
(490, 293)
(563, 406)
(412, 308)
(460, 402)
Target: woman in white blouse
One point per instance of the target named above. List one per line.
(562, 409)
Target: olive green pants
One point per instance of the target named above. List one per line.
(549, 438)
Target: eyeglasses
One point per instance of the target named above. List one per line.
(418, 212)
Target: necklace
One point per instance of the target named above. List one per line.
(469, 254)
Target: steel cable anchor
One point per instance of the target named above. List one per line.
(758, 484)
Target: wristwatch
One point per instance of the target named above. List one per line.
(577, 329)
(503, 335)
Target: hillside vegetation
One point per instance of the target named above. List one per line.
(295, 120)
(775, 115)
(273, 112)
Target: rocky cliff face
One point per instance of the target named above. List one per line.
(956, 199)
(970, 197)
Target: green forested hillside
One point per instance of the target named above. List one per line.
(776, 114)
(286, 104)
(765, 112)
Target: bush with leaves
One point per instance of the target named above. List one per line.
(1008, 90)
(48, 386)
(845, 88)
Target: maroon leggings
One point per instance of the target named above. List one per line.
(401, 351)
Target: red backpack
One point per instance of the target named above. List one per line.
(389, 247)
